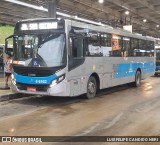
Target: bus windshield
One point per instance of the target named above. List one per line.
(43, 50)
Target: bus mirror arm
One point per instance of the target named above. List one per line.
(6, 44)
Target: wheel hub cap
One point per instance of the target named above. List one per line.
(91, 87)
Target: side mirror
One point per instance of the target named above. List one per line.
(9, 45)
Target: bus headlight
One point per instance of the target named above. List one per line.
(13, 79)
(57, 81)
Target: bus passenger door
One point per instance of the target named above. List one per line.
(76, 66)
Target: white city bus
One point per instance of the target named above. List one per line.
(68, 58)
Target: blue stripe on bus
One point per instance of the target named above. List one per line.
(129, 69)
(34, 80)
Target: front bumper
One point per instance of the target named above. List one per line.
(58, 90)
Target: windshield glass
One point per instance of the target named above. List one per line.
(47, 50)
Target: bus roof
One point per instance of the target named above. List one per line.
(107, 29)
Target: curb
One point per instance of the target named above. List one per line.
(11, 96)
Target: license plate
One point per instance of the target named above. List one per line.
(32, 89)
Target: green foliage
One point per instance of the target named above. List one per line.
(5, 31)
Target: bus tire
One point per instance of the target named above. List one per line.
(91, 88)
(137, 82)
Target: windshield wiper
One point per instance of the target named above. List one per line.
(48, 38)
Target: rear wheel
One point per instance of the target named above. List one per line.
(91, 88)
(137, 82)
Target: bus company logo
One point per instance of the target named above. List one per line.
(6, 139)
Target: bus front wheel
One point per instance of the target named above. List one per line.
(137, 82)
(91, 88)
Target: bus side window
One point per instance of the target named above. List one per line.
(150, 48)
(142, 47)
(77, 45)
(94, 44)
(134, 50)
(117, 46)
(126, 46)
(106, 44)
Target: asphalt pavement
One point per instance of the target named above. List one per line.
(117, 111)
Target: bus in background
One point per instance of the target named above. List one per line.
(157, 71)
(60, 57)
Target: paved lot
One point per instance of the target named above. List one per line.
(119, 111)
